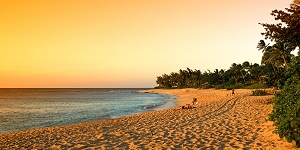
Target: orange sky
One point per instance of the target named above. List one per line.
(124, 43)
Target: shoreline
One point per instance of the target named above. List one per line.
(170, 103)
(221, 121)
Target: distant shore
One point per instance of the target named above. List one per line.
(220, 121)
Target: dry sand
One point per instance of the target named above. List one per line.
(221, 121)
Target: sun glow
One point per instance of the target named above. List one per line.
(123, 43)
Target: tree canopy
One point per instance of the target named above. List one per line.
(237, 76)
(288, 29)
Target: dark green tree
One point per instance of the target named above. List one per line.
(288, 29)
(257, 73)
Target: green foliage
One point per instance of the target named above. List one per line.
(259, 93)
(286, 35)
(237, 76)
(286, 70)
(286, 107)
(278, 55)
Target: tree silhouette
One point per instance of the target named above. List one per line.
(288, 30)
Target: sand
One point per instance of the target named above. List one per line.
(220, 121)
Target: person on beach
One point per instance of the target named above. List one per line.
(195, 102)
(189, 106)
(233, 92)
(186, 106)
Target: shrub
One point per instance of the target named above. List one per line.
(286, 111)
(259, 93)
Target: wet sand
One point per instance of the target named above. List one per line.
(220, 121)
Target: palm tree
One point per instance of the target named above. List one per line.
(235, 72)
(278, 55)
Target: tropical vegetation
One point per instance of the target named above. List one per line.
(237, 76)
(286, 104)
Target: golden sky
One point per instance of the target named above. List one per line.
(124, 43)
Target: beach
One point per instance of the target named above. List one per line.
(220, 121)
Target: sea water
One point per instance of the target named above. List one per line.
(23, 109)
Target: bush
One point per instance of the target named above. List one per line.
(286, 111)
(259, 93)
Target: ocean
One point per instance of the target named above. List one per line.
(23, 109)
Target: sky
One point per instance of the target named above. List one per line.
(124, 43)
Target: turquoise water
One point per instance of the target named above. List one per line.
(22, 109)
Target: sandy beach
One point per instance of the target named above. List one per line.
(220, 121)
